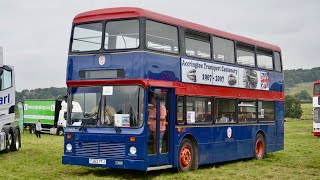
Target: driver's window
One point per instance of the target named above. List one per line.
(6, 79)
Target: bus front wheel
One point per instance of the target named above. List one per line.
(260, 147)
(186, 156)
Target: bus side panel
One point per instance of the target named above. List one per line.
(280, 125)
(214, 145)
(154, 66)
(161, 67)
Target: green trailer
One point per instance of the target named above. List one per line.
(51, 113)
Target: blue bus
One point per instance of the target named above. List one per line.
(158, 92)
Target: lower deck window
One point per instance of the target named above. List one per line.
(180, 119)
(266, 111)
(198, 110)
(225, 110)
(247, 111)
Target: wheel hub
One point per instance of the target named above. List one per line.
(185, 156)
(259, 149)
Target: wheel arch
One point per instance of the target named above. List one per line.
(9, 129)
(260, 131)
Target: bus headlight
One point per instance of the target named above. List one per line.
(133, 150)
(69, 147)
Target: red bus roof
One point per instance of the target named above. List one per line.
(316, 82)
(131, 12)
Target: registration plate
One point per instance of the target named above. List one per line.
(98, 161)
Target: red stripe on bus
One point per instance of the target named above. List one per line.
(188, 89)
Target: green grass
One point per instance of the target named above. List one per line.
(308, 86)
(307, 112)
(41, 159)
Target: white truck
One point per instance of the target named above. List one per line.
(10, 135)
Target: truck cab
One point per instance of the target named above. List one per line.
(9, 134)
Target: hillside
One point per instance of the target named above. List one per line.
(45, 93)
(297, 88)
(297, 76)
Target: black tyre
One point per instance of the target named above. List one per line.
(259, 147)
(32, 129)
(187, 156)
(15, 145)
(8, 141)
(60, 131)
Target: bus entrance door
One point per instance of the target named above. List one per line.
(159, 118)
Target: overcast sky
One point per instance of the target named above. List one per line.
(35, 33)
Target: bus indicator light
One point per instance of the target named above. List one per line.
(69, 136)
(133, 139)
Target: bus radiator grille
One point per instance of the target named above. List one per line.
(100, 149)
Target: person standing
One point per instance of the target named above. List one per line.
(38, 129)
(152, 122)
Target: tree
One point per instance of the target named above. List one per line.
(292, 107)
(303, 95)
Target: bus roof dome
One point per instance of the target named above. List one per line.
(133, 12)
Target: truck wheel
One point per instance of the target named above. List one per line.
(60, 132)
(16, 141)
(32, 130)
(8, 141)
(186, 156)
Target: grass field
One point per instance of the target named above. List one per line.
(41, 159)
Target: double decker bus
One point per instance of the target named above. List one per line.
(316, 108)
(159, 92)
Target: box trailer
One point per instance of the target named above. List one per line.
(51, 114)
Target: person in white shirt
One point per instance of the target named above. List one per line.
(38, 129)
(224, 119)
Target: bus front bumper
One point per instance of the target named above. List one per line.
(105, 162)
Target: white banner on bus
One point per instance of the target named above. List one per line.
(199, 72)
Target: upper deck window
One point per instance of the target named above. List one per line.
(223, 50)
(277, 62)
(197, 45)
(122, 34)
(245, 55)
(87, 37)
(264, 59)
(162, 37)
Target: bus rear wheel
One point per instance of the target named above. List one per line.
(186, 156)
(260, 147)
